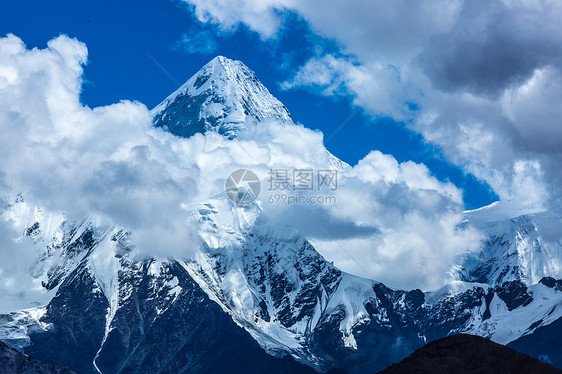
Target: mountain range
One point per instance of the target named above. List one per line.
(257, 296)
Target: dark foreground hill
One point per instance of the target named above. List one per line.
(468, 354)
(14, 362)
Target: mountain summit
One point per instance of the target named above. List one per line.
(223, 96)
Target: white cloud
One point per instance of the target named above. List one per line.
(487, 77)
(376, 28)
(416, 219)
(260, 16)
(17, 256)
(395, 219)
(377, 86)
(110, 163)
(534, 110)
(64, 156)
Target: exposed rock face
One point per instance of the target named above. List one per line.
(161, 322)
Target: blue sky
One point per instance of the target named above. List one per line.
(121, 38)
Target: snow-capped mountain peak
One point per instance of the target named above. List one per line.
(223, 96)
(519, 246)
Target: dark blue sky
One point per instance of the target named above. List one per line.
(121, 35)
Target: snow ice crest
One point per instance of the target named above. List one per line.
(223, 96)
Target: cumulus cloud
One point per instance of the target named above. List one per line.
(485, 75)
(391, 221)
(259, 16)
(416, 217)
(17, 256)
(381, 29)
(533, 109)
(482, 136)
(64, 156)
(345, 76)
(109, 162)
(494, 45)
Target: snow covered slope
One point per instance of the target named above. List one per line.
(223, 96)
(526, 248)
(271, 280)
(116, 305)
(276, 286)
(109, 309)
